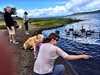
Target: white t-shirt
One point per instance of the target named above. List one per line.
(46, 58)
(25, 18)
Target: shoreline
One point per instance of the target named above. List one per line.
(25, 58)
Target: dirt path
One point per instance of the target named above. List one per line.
(25, 58)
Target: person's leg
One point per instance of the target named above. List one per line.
(48, 74)
(26, 27)
(58, 70)
(13, 38)
(10, 38)
(43, 74)
(12, 33)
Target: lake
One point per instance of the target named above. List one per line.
(82, 45)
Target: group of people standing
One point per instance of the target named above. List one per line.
(48, 52)
(10, 24)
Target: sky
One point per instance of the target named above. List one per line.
(50, 8)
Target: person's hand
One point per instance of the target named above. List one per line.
(28, 19)
(34, 51)
(86, 56)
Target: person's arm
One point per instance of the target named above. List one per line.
(8, 20)
(34, 48)
(71, 57)
(74, 57)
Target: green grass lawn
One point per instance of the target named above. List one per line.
(43, 22)
(2, 22)
(3, 25)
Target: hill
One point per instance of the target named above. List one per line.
(97, 11)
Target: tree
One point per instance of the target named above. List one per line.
(13, 11)
(1, 12)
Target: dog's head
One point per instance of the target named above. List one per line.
(40, 37)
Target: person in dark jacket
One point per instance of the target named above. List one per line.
(10, 24)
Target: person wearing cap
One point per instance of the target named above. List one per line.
(10, 24)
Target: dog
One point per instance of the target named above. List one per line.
(32, 40)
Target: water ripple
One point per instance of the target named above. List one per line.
(89, 45)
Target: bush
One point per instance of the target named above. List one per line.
(2, 27)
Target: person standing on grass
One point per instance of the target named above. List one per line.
(48, 53)
(25, 21)
(10, 24)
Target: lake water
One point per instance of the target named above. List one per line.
(82, 45)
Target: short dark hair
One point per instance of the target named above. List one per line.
(25, 13)
(52, 36)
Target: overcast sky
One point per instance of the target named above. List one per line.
(46, 8)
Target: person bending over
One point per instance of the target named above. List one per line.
(48, 53)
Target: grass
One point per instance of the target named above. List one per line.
(43, 22)
(3, 25)
(51, 22)
(2, 22)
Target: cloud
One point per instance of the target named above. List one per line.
(20, 12)
(75, 6)
(94, 5)
(72, 6)
(57, 11)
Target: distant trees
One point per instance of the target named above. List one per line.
(1, 12)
